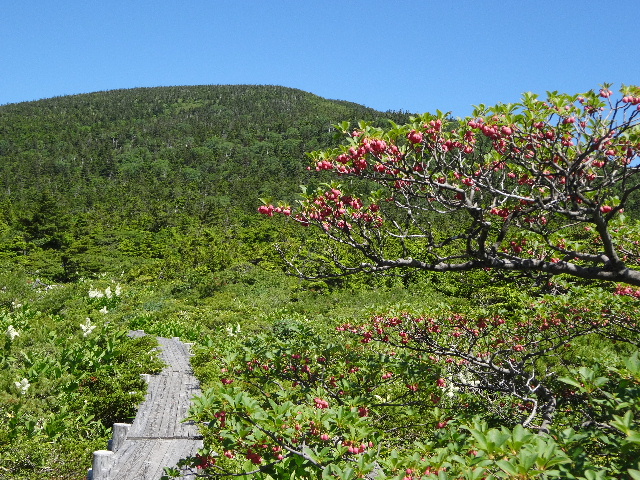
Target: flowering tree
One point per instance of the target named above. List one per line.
(537, 186)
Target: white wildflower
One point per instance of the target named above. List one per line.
(451, 391)
(104, 310)
(232, 332)
(95, 294)
(12, 332)
(118, 290)
(23, 385)
(107, 292)
(87, 327)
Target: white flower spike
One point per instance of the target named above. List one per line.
(87, 327)
(12, 332)
(23, 385)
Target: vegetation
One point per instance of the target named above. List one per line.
(138, 210)
(151, 193)
(540, 193)
(67, 374)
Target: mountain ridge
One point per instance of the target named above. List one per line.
(104, 133)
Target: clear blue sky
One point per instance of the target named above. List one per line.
(415, 55)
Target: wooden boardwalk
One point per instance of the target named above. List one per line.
(158, 437)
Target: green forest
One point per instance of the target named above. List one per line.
(321, 355)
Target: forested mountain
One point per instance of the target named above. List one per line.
(136, 209)
(184, 148)
(144, 160)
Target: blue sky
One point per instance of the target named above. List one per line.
(400, 55)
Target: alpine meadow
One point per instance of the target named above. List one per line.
(379, 295)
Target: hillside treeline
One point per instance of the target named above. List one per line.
(90, 181)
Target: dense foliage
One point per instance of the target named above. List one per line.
(300, 402)
(535, 193)
(66, 374)
(170, 151)
(112, 176)
(137, 210)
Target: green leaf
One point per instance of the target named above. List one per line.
(623, 423)
(507, 467)
(633, 364)
(633, 437)
(480, 438)
(570, 381)
(497, 438)
(476, 473)
(527, 459)
(592, 475)
(598, 382)
(329, 472)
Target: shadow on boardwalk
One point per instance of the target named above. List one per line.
(157, 438)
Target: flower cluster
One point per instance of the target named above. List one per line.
(23, 385)
(628, 291)
(87, 327)
(12, 333)
(512, 173)
(108, 293)
(332, 209)
(320, 403)
(204, 461)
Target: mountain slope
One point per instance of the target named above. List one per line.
(93, 166)
(222, 141)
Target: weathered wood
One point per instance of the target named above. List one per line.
(158, 436)
(119, 435)
(167, 403)
(101, 463)
(146, 459)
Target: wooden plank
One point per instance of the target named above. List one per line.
(158, 437)
(146, 459)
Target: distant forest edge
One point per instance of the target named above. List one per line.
(89, 180)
